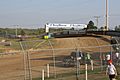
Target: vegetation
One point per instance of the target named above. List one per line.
(95, 75)
(117, 28)
(12, 31)
(91, 25)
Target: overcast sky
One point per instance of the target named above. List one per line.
(36, 13)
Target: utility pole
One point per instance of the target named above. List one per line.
(16, 30)
(96, 18)
(106, 27)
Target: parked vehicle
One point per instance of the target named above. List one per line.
(72, 59)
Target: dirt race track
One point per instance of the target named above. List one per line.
(12, 65)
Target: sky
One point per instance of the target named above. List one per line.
(36, 13)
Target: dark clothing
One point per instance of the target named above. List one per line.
(111, 77)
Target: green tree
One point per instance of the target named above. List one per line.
(102, 28)
(38, 31)
(117, 28)
(91, 25)
(22, 32)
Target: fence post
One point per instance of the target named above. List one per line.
(86, 74)
(48, 71)
(92, 65)
(101, 62)
(43, 74)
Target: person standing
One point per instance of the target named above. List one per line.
(108, 57)
(117, 58)
(111, 70)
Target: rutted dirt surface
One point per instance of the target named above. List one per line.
(12, 66)
(84, 43)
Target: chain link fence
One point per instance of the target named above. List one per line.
(56, 60)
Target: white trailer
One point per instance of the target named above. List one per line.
(64, 26)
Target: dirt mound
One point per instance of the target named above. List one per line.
(89, 44)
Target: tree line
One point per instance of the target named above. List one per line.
(91, 25)
(20, 31)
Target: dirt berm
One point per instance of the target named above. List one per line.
(86, 44)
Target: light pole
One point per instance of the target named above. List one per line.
(106, 27)
(16, 31)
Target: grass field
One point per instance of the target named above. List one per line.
(92, 75)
